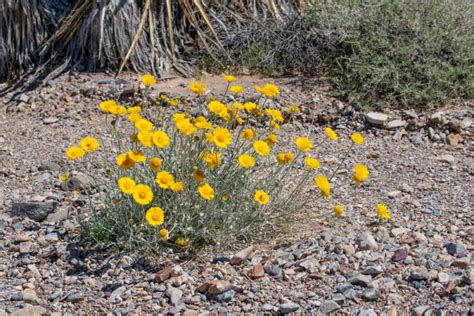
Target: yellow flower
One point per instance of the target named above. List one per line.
(222, 137)
(338, 210)
(118, 110)
(136, 156)
(323, 184)
(269, 90)
(357, 138)
(219, 109)
(331, 133)
(124, 161)
(202, 123)
(225, 198)
(134, 117)
(145, 138)
(272, 139)
(198, 87)
(144, 125)
(142, 194)
(275, 125)
(180, 117)
(107, 105)
(208, 137)
(382, 211)
(74, 153)
(206, 191)
(182, 242)
(155, 216)
(173, 102)
(64, 176)
(134, 109)
(198, 174)
(261, 197)
(247, 134)
(160, 139)
(148, 80)
(293, 109)
(212, 159)
(164, 234)
(238, 106)
(126, 185)
(186, 127)
(360, 173)
(236, 89)
(303, 143)
(230, 78)
(283, 158)
(246, 161)
(155, 164)
(312, 163)
(177, 186)
(251, 107)
(261, 148)
(275, 114)
(164, 179)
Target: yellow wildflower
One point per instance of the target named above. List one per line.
(134, 117)
(164, 234)
(136, 156)
(275, 114)
(357, 138)
(160, 139)
(261, 197)
(155, 164)
(173, 102)
(89, 144)
(284, 158)
(155, 216)
(272, 139)
(323, 184)
(145, 138)
(338, 210)
(222, 137)
(269, 90)
(293, 109)
(74, 153)
(118, 110)
(212, 159)
(134, 109)
(126, 185)
(148, 80)
(198, 174)
(230, 78)
(246, 161)
(382, 211)
(64, 176)
(177, 186)
(304, 143)
(144, 125)
(180, 117)
(247, 134)
(312, 163)
(251, 107)
(360, 173)
(198, 87)
(238, 106)
(182, 242)
(186, 127)
(142, 194)
(261, 148)
(331, 133)
(206, 191)
(124, 161)
(202, 123)
(236, 89)
(107, 105)
(164, 179)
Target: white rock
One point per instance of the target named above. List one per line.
(396, 124)
(376, 118)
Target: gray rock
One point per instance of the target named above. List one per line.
(396, 124)
(43, 177)
(456, 249)
(49, 165)
(400, 231)
(443, 278)
(79, 181)
(115, 295)
(272, 270)
(367, 312)
(225, 297)
(174, 295)
(406, 188)
(373, 271)
(267, 307)
(50, 120)
(29, 310)
(61, 214)
(417, 139)
(328, 307)
(420, 310)
(75, 297)
(419, 274)
(366, 241)
(338, 298)
(288, 308)
(371, 294)
(361, 280)
(376, 119)
(35, 210)
(446, 158)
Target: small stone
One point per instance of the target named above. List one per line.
(400, 254)
(242, 256)
(371, 295)
(272, 270)
(164, 274)
(373, 271)
(367, 312)
(461, 263)
(366, 241)
(328, 307)
(75, 297)
(225, 297)
(420, 310)
(376, 119)
(29, 310)
(392, 311)
(406, 188)
(256, 272)
(219, 286)
(29, 296)
(58, 216)
(437, 119)
(443, 278)
(446, 158)
(51, 237)
(361, 280)
(393, 194)
(267, 307)
(115, 295)
(348, 249)
(419, 274)
(174, 295)
(453, 139)
(79, 181)
(419, 237)
(35, 210)
(456, 249)
(50, 120)
(400, 231)
(396, 124)
(49, 165)
(309, 265)
(288, 308)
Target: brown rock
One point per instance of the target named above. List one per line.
(256, 272)
(400, 254)
(242, 256)
(164, 274)
(453, 139)
(219, 286)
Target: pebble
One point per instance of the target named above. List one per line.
(371, 294)
(288, 308)
(75, 297)
(367, 241)
(376, 119)
(361, 280)
(367, 312)
(456, 249)
(174, 295)
(446, 158)
(328, 307)
(242, 256)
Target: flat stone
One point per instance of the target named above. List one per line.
(328, 307)
(219, 286)
(419, 274)
(267, 307)
(446, 158)
(396, 124)
(61, 214)
(400, 231)
(366, 241)
(48, 165)
(367, 312)
(75, 297)
(79, 181)
(256, 272)
(420, 310)
(443, 278)
(361, 280)
(115, 295)
(376, 119)
(29, 296)
(174, 295)
(50, 120)
(164, 274)
(225, 297)
(242, 256)
(371, 295)
(453, 139)
(394, 194)
(288, 308)
(373, 271)
(35, 210)
(400, 254)
(456, 249)
(29, 310)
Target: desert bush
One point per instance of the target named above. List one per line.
(193, 172)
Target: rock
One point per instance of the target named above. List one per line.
(328, 307)
(419, 274)
(400, 254)
(49, 165)
(256, 272)
(392, 311)
(309, 265)
(437, 119)
(79, 181)
(361, 280)
(35, 210)
(219, 286)
(75, 297)
(376, 119)
(420, 310)
(371, 295)
(417, 139)
(164, 274)
(29, 310)
(400, 231)
(58, 216)
(373, 271)
(367, 312)
(453, 139)
(446, 158)
(406, 188)
(348, 249)
(288, 308)
(366, 241)
(115, 295)
(393, 194)
(272, 270)
(456, 249)
(225, 297)
(267, 307)
(29, 296)
(419, 237)
(51, 237)
(461, 263)
(242, 256)
(174, 295)
(50, 120)
(443, 278)
(396, 124)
